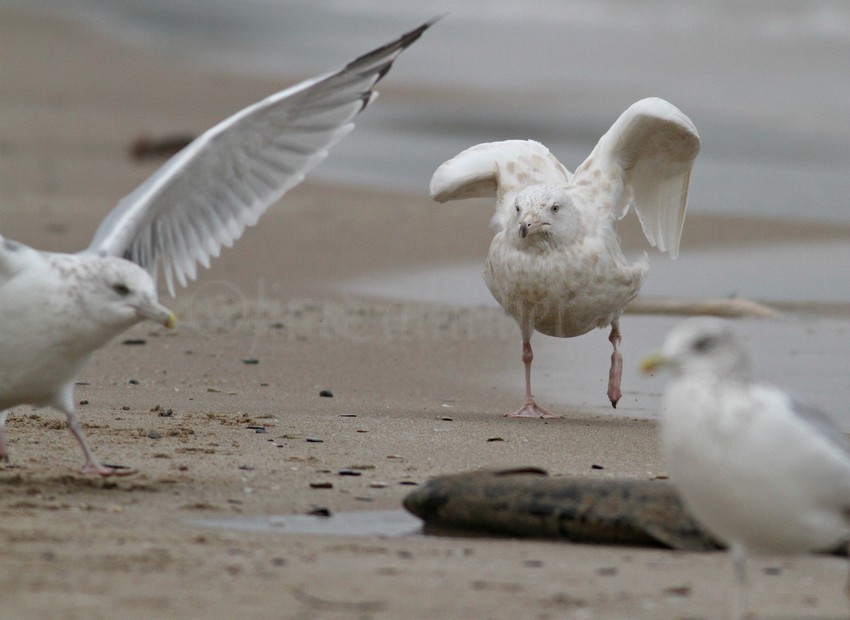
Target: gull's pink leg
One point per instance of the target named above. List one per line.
(92, 465)
(529, 409)
(616, 372)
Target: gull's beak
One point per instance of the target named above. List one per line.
(157, 313)
(530, 226)
(653, 362)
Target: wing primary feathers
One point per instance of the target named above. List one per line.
(205, 196)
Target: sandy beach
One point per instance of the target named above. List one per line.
(418, 389)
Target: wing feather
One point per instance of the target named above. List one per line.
(497, 169)
(646, 159)
(205, 196)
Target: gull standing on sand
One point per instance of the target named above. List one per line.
(761, 470)
(555, 263)
(57, 309)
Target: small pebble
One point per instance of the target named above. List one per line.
(166, 413)
(495, 439)
(320, 512)
(246, 468)
(321, 485)
(264, 385)
(314, 440)
(125, 408)
(446, 418)
(595, 466)
(134, 341)
(114, 466)
(409, 483)
(155, 435)
(378, 485)
(349, 472)
(348, 415)
(133, 382)
(251, 360)
(326, 394)
(84, 402)
(82, 383)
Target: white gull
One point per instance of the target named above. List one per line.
(57, 309)
(555, 263)
(760, 469)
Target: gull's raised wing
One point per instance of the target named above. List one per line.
(205, 196)
(497, 169)
(645, 159)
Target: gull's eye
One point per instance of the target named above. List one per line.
(704, 344)
(556, 207)
(121, 289)
(517, 206)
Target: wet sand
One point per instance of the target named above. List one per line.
(418, 390)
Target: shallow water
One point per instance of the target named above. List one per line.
(779, 272)
(804, 353)
(765, 82)
(384, 523)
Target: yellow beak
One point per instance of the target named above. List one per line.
(159, 314)
(653, 362)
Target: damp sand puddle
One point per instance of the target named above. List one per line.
(380, 523)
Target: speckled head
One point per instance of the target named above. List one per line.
(545, 211)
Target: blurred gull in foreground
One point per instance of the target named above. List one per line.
(763, 471)
(555, 263)
(57, 309)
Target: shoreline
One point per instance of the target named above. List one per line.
(418, 391)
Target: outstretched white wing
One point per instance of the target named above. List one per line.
(645, 159)
(205, 196)
(499, 169)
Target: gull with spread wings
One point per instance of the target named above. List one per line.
(57, 309)
(555, 264)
